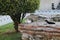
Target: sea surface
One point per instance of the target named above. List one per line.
(5, 20)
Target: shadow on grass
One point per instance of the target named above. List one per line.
(10, 36)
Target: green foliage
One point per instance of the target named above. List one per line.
(23, 21)
(30, 5)
(11, 7)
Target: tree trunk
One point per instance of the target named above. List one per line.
(16, 26)
(16, 19)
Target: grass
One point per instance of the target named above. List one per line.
(7, 27)
(7, 32)
(13, 36)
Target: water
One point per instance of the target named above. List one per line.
(5, 20)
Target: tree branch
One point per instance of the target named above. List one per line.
(23, 15)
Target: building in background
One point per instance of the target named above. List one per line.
(47, 4)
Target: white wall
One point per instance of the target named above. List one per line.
(46, 4)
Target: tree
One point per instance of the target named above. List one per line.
(15, 8)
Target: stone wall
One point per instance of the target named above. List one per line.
(34, 33)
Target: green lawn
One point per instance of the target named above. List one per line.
(7, 27)
(7, 32)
